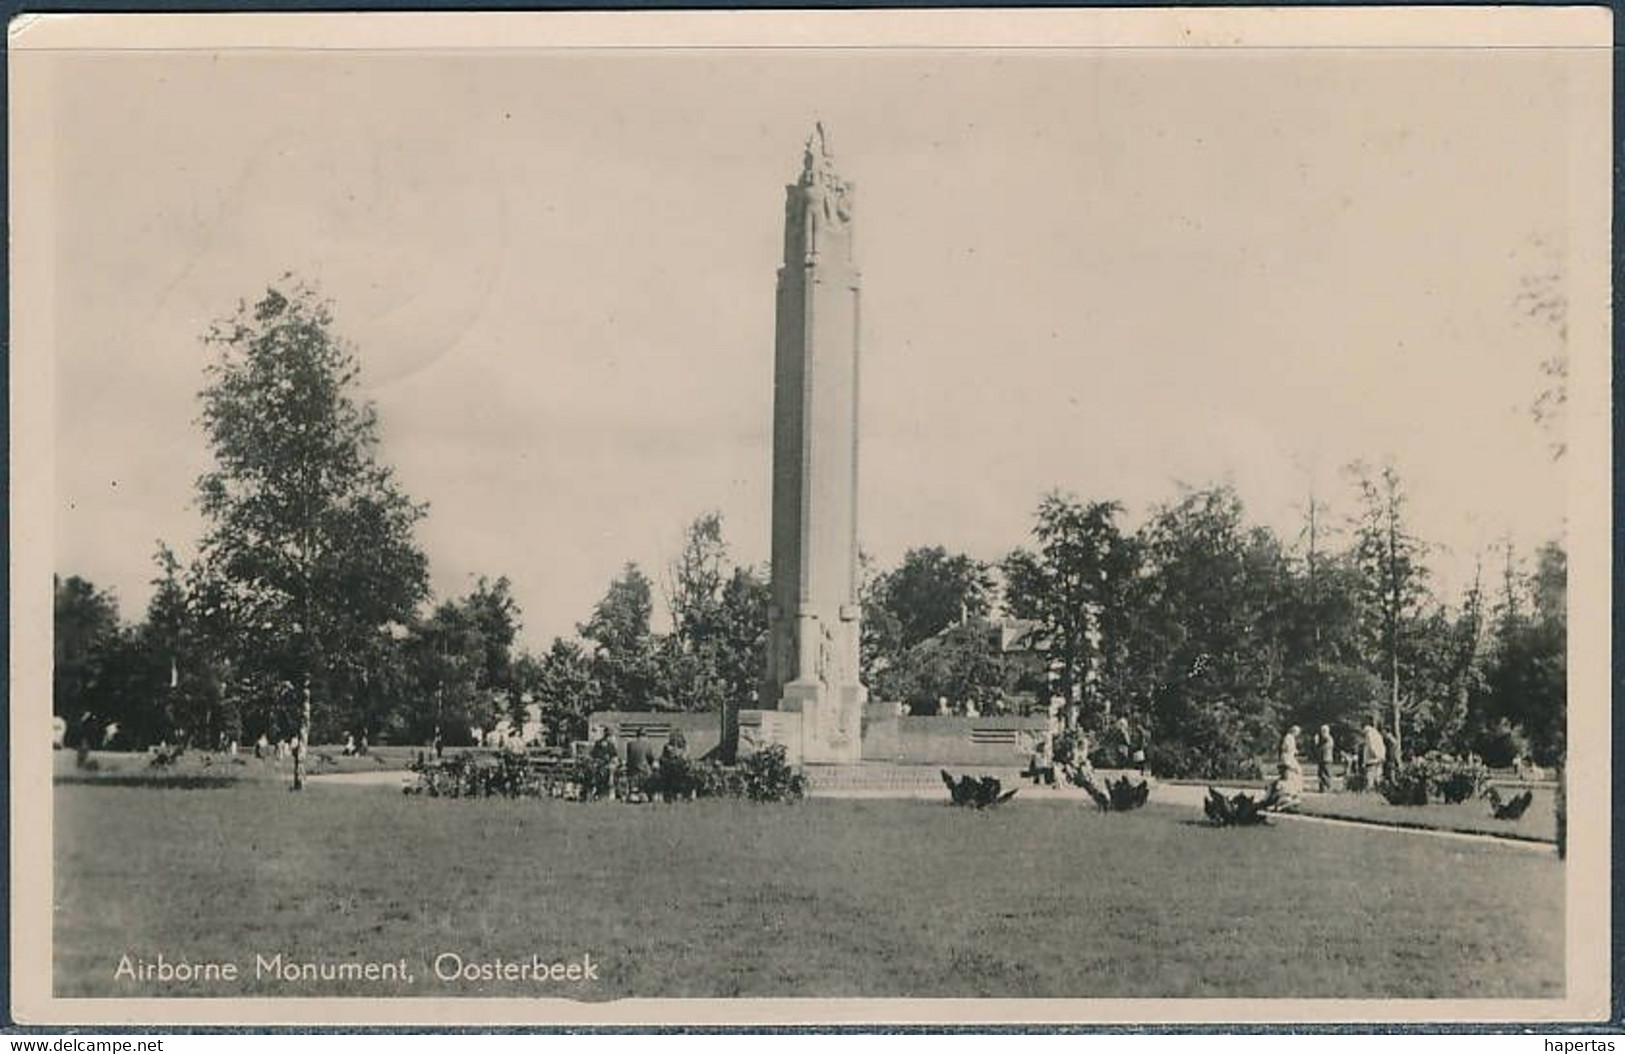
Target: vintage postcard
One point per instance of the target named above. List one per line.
(929, 517)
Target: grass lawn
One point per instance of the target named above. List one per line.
(822, 898)
(1538, 822)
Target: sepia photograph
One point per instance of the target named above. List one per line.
(810, 518)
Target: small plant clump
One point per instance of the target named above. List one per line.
(1450, 779)
(1240, 810)
(1126, 795)
(765, 776)
(474, 775)
(1408, 785)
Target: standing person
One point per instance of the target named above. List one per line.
(1373, 754)
(1040, 769)
(1065, 748)
(675, 778)
(640, 762)
(1390, 755)
(1289, 750)
(1138, 747)
(604, 758)
(1327, 751)
(87, 728)
(1125, 743)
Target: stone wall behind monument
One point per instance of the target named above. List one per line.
(887, 737)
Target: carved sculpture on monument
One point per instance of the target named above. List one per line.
(813, 617)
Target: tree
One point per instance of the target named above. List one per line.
(1524, 702)
(929, 592)
(308, 555)
(566, 691)
(1076, 586)
(462, 670)
(182, 676)
(880, 643)
(1206, 650)
(1393, 576)
(86, 629)
(495, 617)
(694, 593)
(624, 649)
(1442, 653)
(741, 635)
(1324, 678)
(932, 590)
(962, 665)
(462, 664)
(714, 657)
(1543, 299)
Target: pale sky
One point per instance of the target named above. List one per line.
(1104, 271)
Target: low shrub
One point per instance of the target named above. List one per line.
(767, 776)
(1450, 779)
(1500, 743)
(474, 775)
(1409, 785)
(764, 776)
(712, 779)
(1455, 780)
(1192, 761)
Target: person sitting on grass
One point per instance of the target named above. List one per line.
(1286, 792)
(1039, 767)
(1081, 773)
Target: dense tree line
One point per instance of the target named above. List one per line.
(308, 603)
(1208, 634)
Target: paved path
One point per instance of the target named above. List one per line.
(1179, 794)
(380, 778)
(1193, 795)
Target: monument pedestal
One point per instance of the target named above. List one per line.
(831, 721)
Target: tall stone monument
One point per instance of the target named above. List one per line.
(812, 653)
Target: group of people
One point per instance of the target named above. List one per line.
(639, 773)
(1376, 760)
(281, 748)
(1070, 751)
